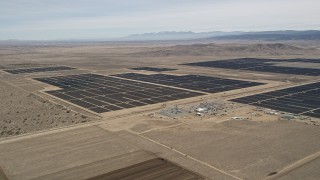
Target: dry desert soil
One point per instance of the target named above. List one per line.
(45, 137)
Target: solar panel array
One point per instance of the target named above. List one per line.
(153, 69)
(104, 93)
(303, 100)
(193, 82)
(262, 65)
(38, 69)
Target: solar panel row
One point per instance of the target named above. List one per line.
(153, 69)
(262, 65)
(38, 69)
(303, 100)
(194, 82)
(102, 93)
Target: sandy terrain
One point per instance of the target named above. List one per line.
(25, 112)
(245, 149)
(42, 136)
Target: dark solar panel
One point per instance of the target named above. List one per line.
(193, 82)
(152, 169)
(303, 100)
(153, 69)
(262, 65)
(38, 69)
(103, 94)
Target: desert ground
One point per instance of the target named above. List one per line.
(45, 137)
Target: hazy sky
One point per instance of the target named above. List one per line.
(71, 19)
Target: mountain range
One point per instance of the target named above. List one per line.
(187, 35)
(235, 35)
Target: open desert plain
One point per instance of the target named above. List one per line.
(160, 110)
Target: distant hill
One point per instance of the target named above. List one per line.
(220, 49)
(236, 35)
(181, 36)
(173, 35)
(273, 35)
